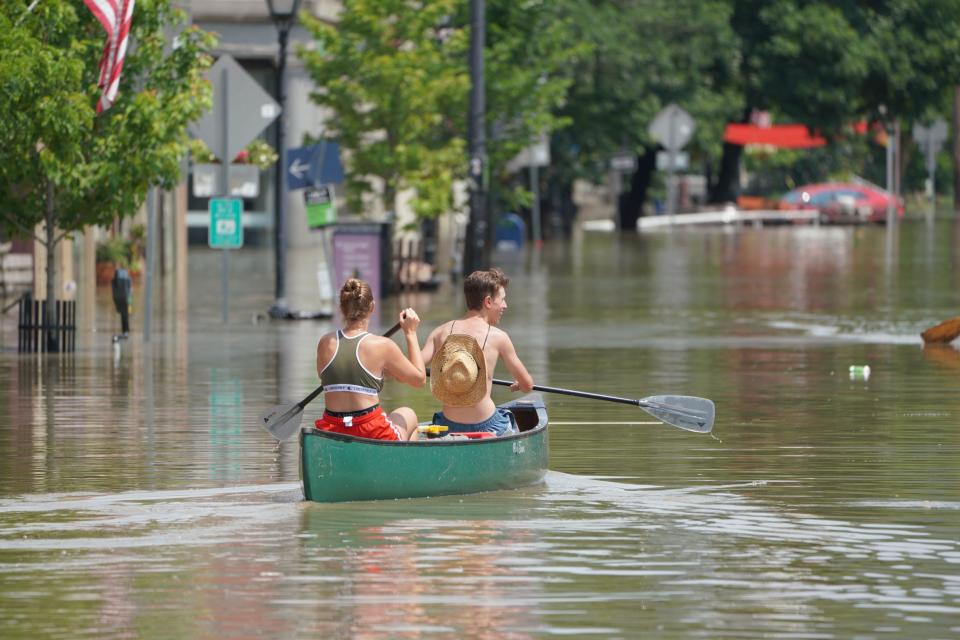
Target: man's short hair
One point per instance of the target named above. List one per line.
(480, 284)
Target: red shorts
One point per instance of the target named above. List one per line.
(374, 425)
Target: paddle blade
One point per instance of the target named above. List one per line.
(946, 331)
(282, 421)
(686, 412)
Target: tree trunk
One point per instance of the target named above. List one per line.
(630, 205)
(727, 186)
(558, 209)
(956, 150)
(51, 304)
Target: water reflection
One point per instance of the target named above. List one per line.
(576, 556)
(446, 570)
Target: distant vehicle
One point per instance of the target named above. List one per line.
(842, 201)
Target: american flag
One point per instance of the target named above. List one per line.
(115, 17)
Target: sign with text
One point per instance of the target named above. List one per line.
(321, 208)
(226, 223)
(356, 254)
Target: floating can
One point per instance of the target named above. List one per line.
(859, 372)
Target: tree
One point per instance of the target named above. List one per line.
(63, 165)
(828, 64)
(642, 56)
(388, 73)
(530, 46)
(394, 75)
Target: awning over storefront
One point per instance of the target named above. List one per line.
(790, 136)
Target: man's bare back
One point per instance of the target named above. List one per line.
(479, 323)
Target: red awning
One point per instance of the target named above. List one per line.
(792, 136)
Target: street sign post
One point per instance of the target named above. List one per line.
(241, 110)
(226, 232)
(672, 127)
(931, 139)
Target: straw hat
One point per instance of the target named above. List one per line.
(459, 375)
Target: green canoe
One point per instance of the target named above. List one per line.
(338, 468)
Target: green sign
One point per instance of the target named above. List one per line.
(226, 223)
(321, 209)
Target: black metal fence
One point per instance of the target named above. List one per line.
(37, 335)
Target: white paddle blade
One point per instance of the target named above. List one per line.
(282, 421)
(686, 412)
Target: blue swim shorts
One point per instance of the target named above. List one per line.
(502, 423)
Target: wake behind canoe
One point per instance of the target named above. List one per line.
(338, 468)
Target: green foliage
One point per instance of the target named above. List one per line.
(530, 46)
(394, 75)
(113, 250)
(124, 252)
(829, 64)
(390, 76)
(52, 143)
(258, 153)
(639, 58)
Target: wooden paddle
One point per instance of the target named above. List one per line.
(946, 331)
(283, 420)
(684, 412)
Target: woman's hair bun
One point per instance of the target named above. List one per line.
(356, 299)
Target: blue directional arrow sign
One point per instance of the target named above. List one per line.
(314, 164)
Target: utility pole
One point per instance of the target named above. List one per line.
(284, 15)
(477, 245)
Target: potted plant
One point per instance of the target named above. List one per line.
(126, 253)
(244, 170)
(110, 253)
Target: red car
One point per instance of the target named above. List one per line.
(843, 201)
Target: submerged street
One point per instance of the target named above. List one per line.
(138, 492)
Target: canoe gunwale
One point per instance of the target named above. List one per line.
(428, 442)
(524, 403)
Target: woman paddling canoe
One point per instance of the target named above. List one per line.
(352, 364)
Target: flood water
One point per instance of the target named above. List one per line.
(139, 497)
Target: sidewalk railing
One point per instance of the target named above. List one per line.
(37, 335)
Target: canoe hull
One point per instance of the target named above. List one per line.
(339, 468)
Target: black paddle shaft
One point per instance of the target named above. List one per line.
(677, 416)
(577, 394)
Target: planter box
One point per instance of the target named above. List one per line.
(244, 180)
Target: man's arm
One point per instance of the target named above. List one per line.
(430, 346)
(523, 381)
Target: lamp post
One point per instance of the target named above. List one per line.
(477, 245)
(284, 15)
